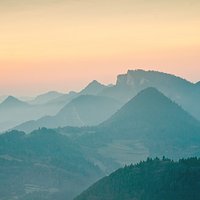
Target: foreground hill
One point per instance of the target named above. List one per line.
(149, 125)
(85, 110)
(150, 180)
(42, 165)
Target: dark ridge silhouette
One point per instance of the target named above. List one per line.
(150, 180)
(43, 165)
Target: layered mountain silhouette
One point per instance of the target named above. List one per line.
(150, 124)
(47, 97)
(93, 88)
(179, 90)
(11, 102)
(43, 165)
(71, 158)
(85, 110)
(151, 180)
(14, 111)
(43, 106)
(183, 92)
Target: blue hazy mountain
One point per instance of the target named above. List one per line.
(14, 111)
(46, 97)
(93, 88)
(149, 125)
(128, 85)
(48, 104)
(11, 102)
(150, 180)
(85, 110)
(57, 164)
(43, 165)
(178, 89)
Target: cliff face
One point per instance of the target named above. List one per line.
(133, 79)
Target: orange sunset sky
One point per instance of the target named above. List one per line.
(64, 44)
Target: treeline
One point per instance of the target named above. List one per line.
(153, 179)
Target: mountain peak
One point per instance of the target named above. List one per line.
(12, 101)
(149, 106)
(46, 97)
(94, 83)
(93, 88)
(150, 92)
(148, 97)
(11, 98)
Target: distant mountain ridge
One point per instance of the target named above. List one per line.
(46, 97)
(85, 110)
(11, 102)
(43, 106)
(178, 89)
(183, 92)
(93, 88)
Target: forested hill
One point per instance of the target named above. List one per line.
(150, 180)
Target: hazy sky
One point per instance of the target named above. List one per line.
(63, 44)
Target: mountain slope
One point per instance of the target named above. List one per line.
(14, 111)
(93, 88)
(42, 165)
(179, 90)
(11, 102)
(85, 110)
(47, 97)
(148, 125)
(2, 98)
(150, 180)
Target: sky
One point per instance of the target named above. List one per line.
(64, 44)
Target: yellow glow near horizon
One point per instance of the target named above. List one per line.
(78, 36)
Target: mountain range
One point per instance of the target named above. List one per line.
(61, 163)
(178, 89)
(43, 106)
(97, 131)
(85, 110)
(45, 98)
(40, 110)
(149, 125)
